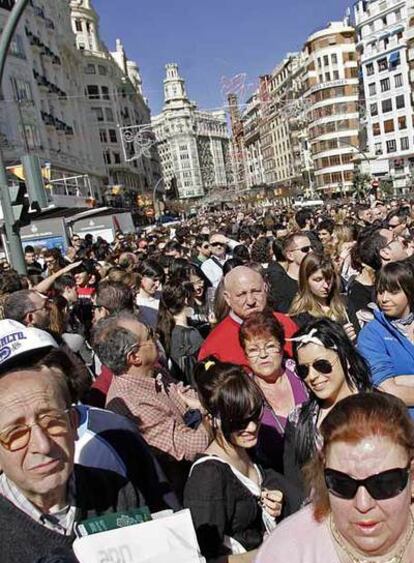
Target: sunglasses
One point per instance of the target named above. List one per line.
(321, 366)
(382, 486)
(304, 249)
(217, 244)
(243, 423)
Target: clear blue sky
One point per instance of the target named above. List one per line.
(210, 39)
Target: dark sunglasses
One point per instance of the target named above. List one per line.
(304, 249)
(243, 423)
(321, 366)
(382, 486)
(217, 244)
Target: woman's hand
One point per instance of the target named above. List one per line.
(350, 331)
(272, 502)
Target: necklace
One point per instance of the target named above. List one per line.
(397, 558)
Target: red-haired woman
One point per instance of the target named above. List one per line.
(361, 484)
(262, 339)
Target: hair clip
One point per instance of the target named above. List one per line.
(209, 364)
(309, 338)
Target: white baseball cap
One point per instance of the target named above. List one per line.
(17, 339)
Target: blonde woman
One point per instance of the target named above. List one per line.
(319, 295)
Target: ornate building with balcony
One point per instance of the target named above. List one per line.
(331, 98)
(383, 38)
(41, 111)
(193, 145)
(253, 155)
(117, 107)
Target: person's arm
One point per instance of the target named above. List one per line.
(46, 284)
(402, 387)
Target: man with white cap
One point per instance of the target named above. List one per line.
(43, 493)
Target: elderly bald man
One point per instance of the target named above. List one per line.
(245, 292)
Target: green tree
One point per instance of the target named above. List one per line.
(361, 184)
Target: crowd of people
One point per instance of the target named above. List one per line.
(254, 365)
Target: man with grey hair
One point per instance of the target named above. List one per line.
(245, 292)
(157, 404)
(28, 307)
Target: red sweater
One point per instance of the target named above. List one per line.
(223, 341)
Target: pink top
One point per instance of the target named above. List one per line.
(299, 539)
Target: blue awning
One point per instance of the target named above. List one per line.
(394, 57)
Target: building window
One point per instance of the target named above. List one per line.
(117, 158)
(391, 146)
(376, 129)
(372, 90)
(326, 60)
(107, 157)
(102, 70)
(16, 47)
(404, 143)
(105, 92)
(402, 122)
(22, 89)
(370, 69)
(90, 69)
(386, 105)
(400, 101)
(109, 114)
(389, 126)
(98, 113)
(398, 80)
(336, 75)
(382, 64)
(373, 109)
(334, 59)
(93, 92)
(103, 136)
(112, 136)
(327, 76)
(78, 25)
(385, 84)
(378, 148)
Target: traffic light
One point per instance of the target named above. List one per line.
(23, 211)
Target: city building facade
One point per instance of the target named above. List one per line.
(332, 101)
(383, 37)
(118, 110)
(41, 111)
(193, 145)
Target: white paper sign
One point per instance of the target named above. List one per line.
(172, 538)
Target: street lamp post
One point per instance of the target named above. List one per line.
(12, 233)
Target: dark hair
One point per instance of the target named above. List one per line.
(402, 213)
(241, 252)
(277, 247)
(29, 249)
(326, 225)
(397, 276)
(174, 298)
(302, 216)
(114, 296)
(260, 251)
(261, 324)
(227, 393)
(67, 280)
(230, 264)
(151, 269)
(10, 282)
(172, 246)
(355, 368)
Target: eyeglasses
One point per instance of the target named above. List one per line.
(304, 249)
(217, 244)
(321, 366)
(45, 306)
(149, 336)
(382, 486)
(268, 350)
(54, 423)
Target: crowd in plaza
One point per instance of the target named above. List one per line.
(254, 365)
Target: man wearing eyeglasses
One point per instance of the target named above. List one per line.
(28, 307)
(284, 283)
(43, 494)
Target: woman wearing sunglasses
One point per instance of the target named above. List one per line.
(332, 369)
(233, 502)
(319, 295)
(361, 482)
(387, 342)
(262, 338)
